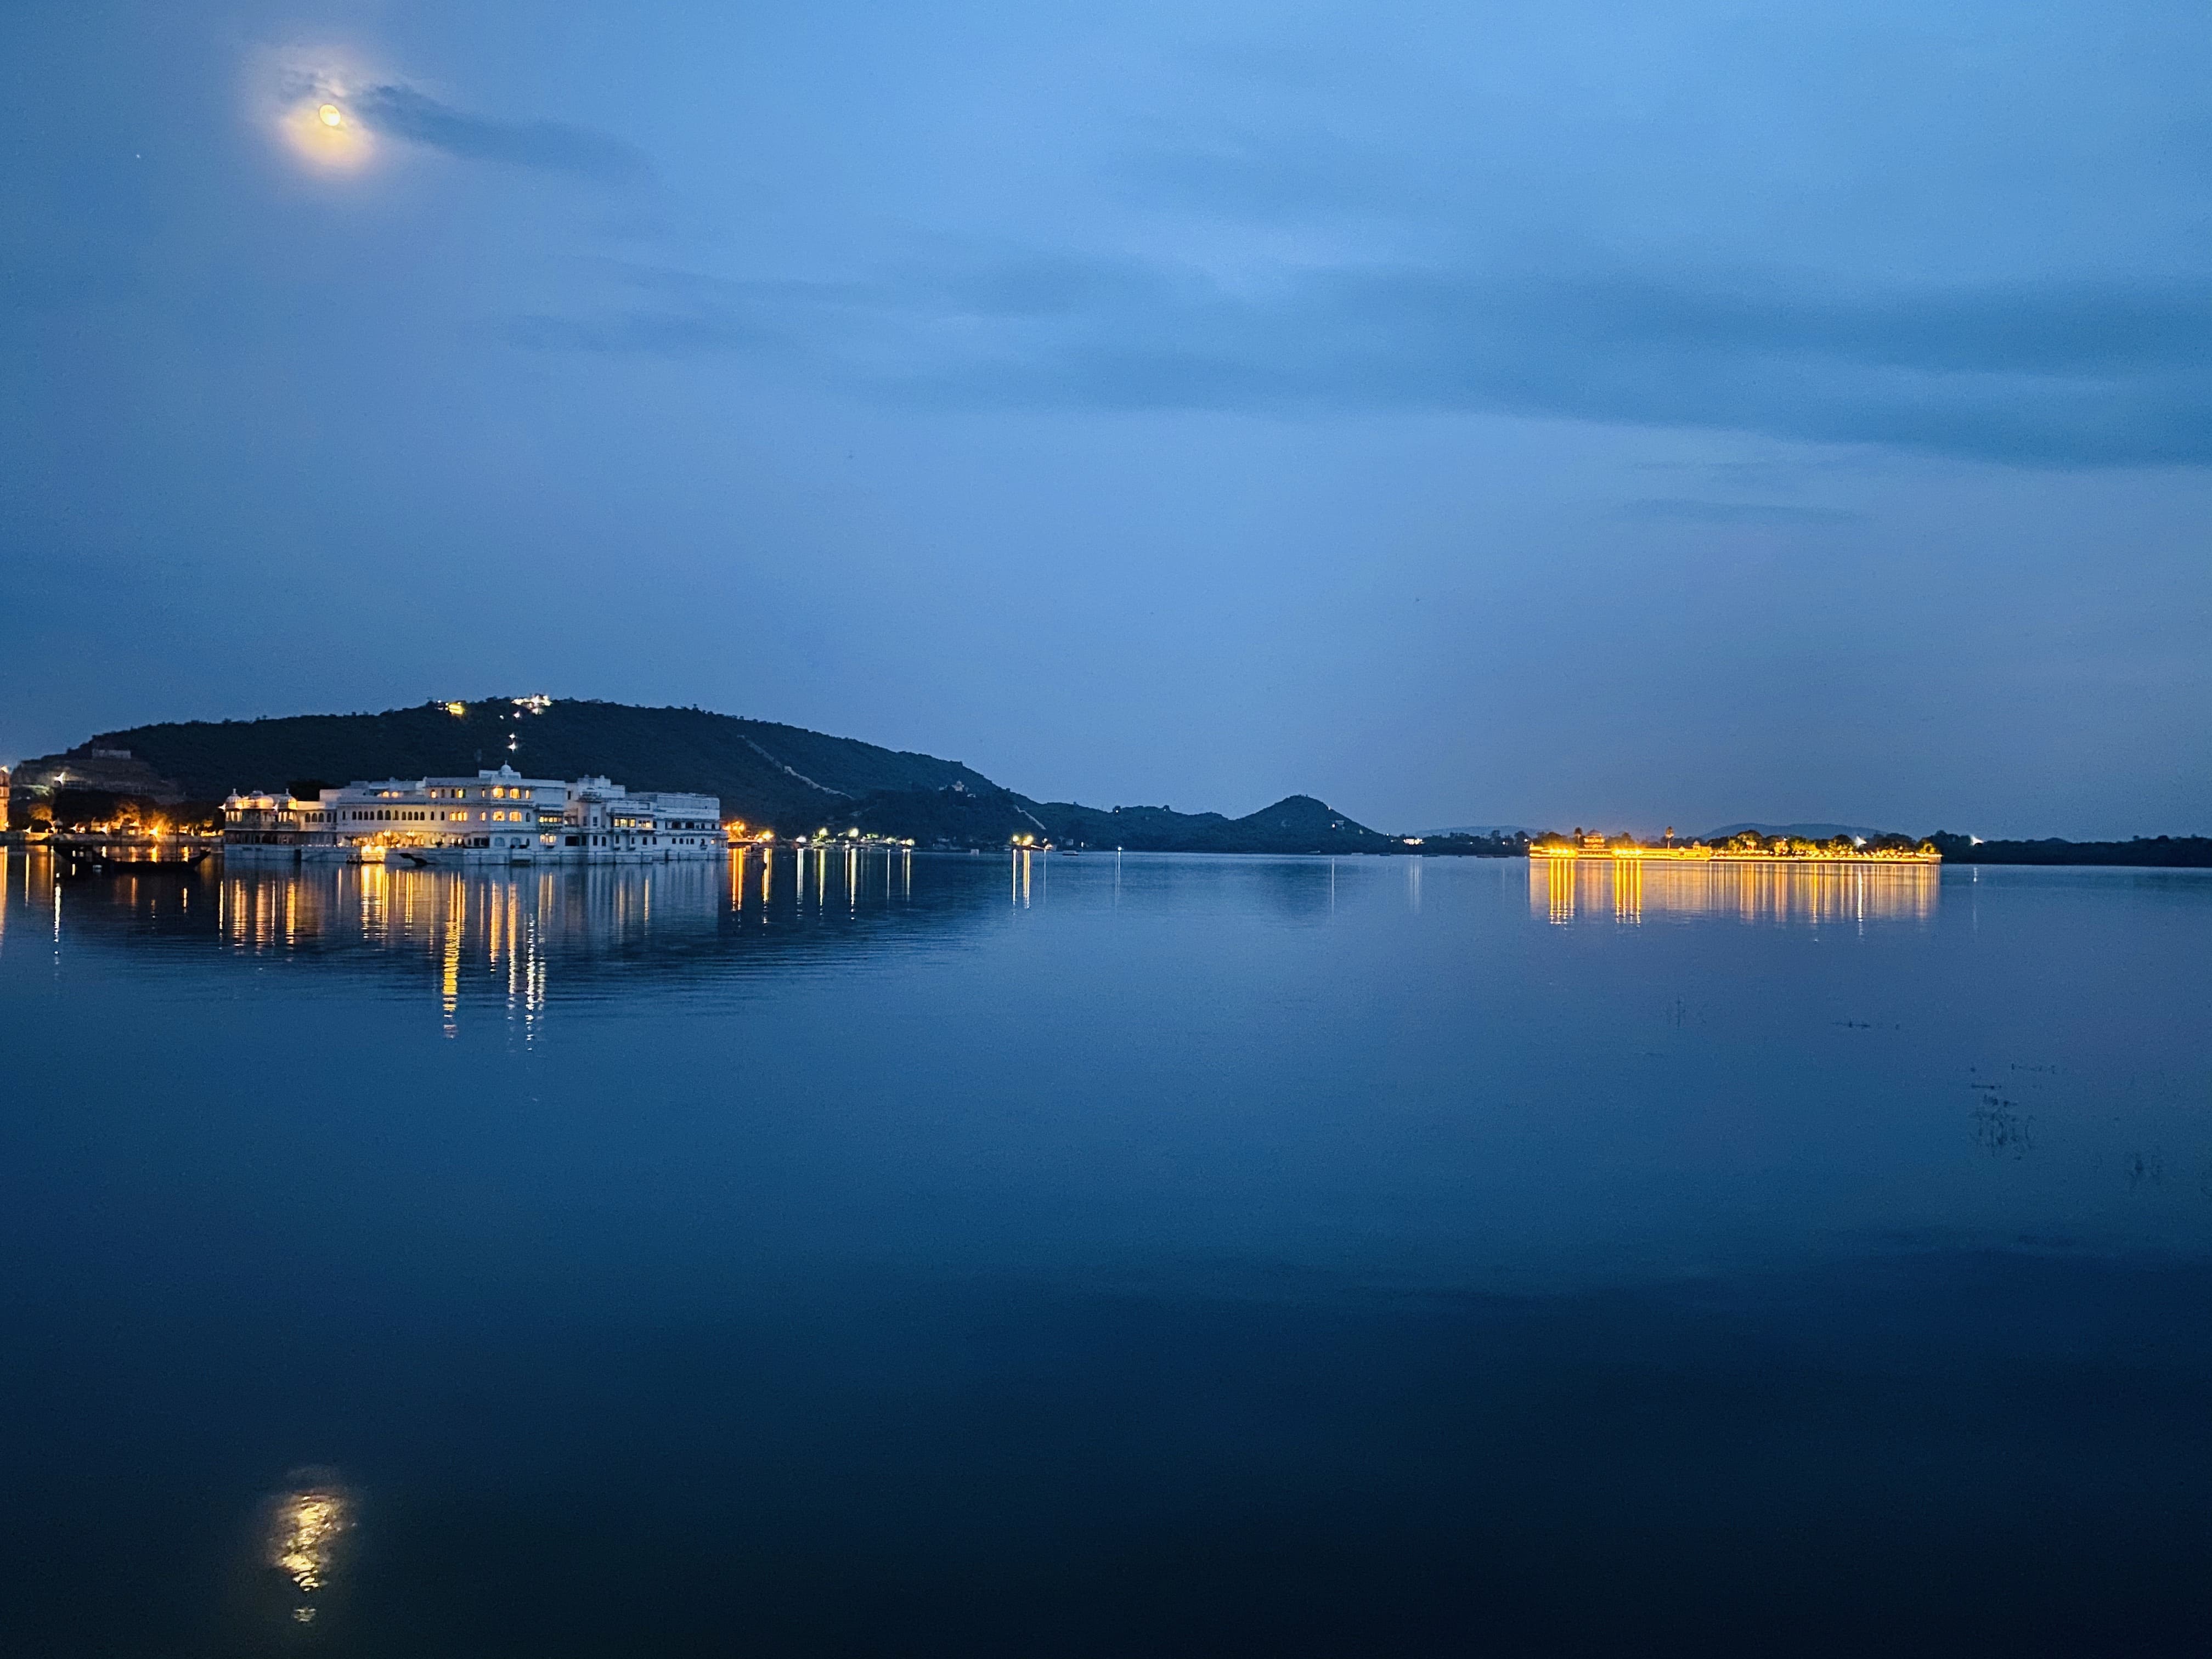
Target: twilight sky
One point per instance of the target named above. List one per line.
(1547, 413)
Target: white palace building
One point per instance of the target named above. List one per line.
(492, 818)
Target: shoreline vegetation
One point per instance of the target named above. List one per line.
(170, 778)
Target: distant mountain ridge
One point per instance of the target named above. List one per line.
(1296, 823)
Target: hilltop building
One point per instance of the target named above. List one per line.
(498, 816)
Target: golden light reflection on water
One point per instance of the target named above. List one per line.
(307, 1527)
(1628, 892)
(505, 934)
(449, 978)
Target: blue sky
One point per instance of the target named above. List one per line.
(1547, 413)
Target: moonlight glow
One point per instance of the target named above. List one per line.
(320, 131)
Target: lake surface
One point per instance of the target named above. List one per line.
(1097, 1256)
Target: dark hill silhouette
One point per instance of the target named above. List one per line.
(2167, 852)
(1296, 823)
(780, 776)
(955, 816)
(973, 817)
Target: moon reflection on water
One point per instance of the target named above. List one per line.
(307, 1531)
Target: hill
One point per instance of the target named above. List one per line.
(1296, 823)
(774, 776)
(987, 817)
(783, 776)
(2164, 852)
(963, 816)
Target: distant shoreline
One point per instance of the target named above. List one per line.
(797, 782)
(2144, 853)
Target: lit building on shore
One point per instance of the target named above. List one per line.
(1749, 846)
(498, 816)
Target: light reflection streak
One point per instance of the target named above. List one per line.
(306, 1529)
(492, 931)
(491, 936)
(1777, 894)
(449, 981)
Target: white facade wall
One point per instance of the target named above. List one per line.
(496, 817)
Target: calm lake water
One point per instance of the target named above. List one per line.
(1105, 1256)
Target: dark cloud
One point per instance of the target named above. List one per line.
(685, 313)
(1683, 510)
(2065, 328)
(672, 334)
(404, 112)
(1266, 178)
(2063, 374)
(1044, 286)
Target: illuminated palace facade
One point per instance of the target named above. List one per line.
(492, 818)
(1743, 848)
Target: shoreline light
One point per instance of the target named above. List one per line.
(1739, 849)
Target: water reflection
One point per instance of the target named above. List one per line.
(307, 1528)
(678, 1334)
(1626, 892)
(497, 934)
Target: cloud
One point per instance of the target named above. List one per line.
(1262, 177)
(2054, 374)
(1690, 511)
(403, 112)
(660, 334)
(685, 313)
(2069, 373)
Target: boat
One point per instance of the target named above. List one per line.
(79, 867)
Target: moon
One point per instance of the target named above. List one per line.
(325, 134)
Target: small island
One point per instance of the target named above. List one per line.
(1747, 845)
